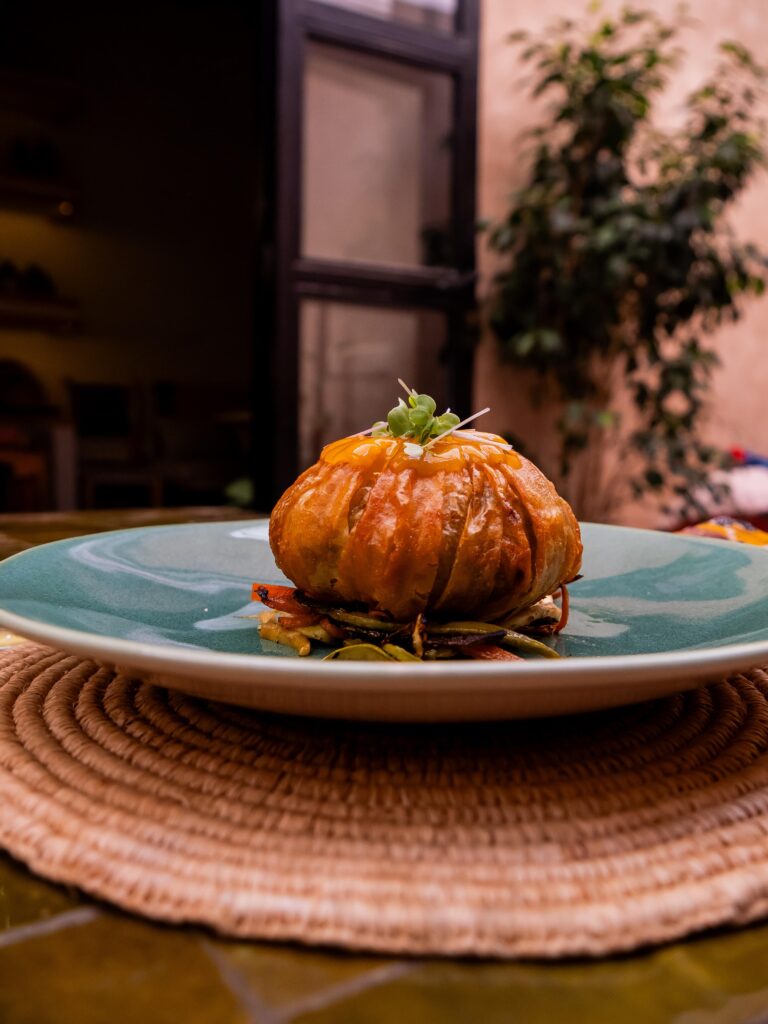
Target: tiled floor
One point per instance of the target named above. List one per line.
(66, 960)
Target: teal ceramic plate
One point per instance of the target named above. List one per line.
(654, 614)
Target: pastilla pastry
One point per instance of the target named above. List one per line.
(418, 519)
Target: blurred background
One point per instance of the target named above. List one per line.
(227, 228)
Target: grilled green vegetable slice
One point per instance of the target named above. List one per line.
(358, 620)
(359, 652)
(527, 644)
(399, 653)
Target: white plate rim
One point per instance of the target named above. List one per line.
(436, 677)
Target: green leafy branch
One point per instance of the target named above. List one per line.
(617, 260)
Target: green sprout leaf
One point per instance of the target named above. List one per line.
(420, 418)
(415, 420)
(446, 422)
(425, 402)
(398, 420)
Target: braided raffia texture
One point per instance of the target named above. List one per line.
(586, 835)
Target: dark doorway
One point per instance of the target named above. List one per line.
(369, 263)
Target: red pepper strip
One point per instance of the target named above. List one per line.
(566, 604)
(282, 599)
(333, 629)
(489, 652)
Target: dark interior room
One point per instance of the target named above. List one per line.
(126, 255)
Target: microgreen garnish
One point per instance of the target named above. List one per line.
(415, 419)
(417, 422)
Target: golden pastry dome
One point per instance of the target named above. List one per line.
(458, 525)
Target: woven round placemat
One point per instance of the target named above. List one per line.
(583, 835)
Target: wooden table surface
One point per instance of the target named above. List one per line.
(65, 959)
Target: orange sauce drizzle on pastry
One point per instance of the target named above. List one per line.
(448, 454)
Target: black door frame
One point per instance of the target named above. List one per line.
(286, 277)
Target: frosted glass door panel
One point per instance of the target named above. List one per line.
(376, 182)
(350, 359)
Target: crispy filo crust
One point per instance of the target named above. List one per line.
(475, 531)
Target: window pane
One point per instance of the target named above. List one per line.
(439, 15)
(350, 359)
(377, 159)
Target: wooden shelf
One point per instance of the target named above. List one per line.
(52, 198)
(56, 315)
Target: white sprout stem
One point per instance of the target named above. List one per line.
(404, 386)
(477, 436)
(450, 430)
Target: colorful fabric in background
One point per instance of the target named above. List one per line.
(727, 528)
(744, 457)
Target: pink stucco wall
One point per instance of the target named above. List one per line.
(738, 412)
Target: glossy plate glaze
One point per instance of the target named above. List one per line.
(655, 613)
